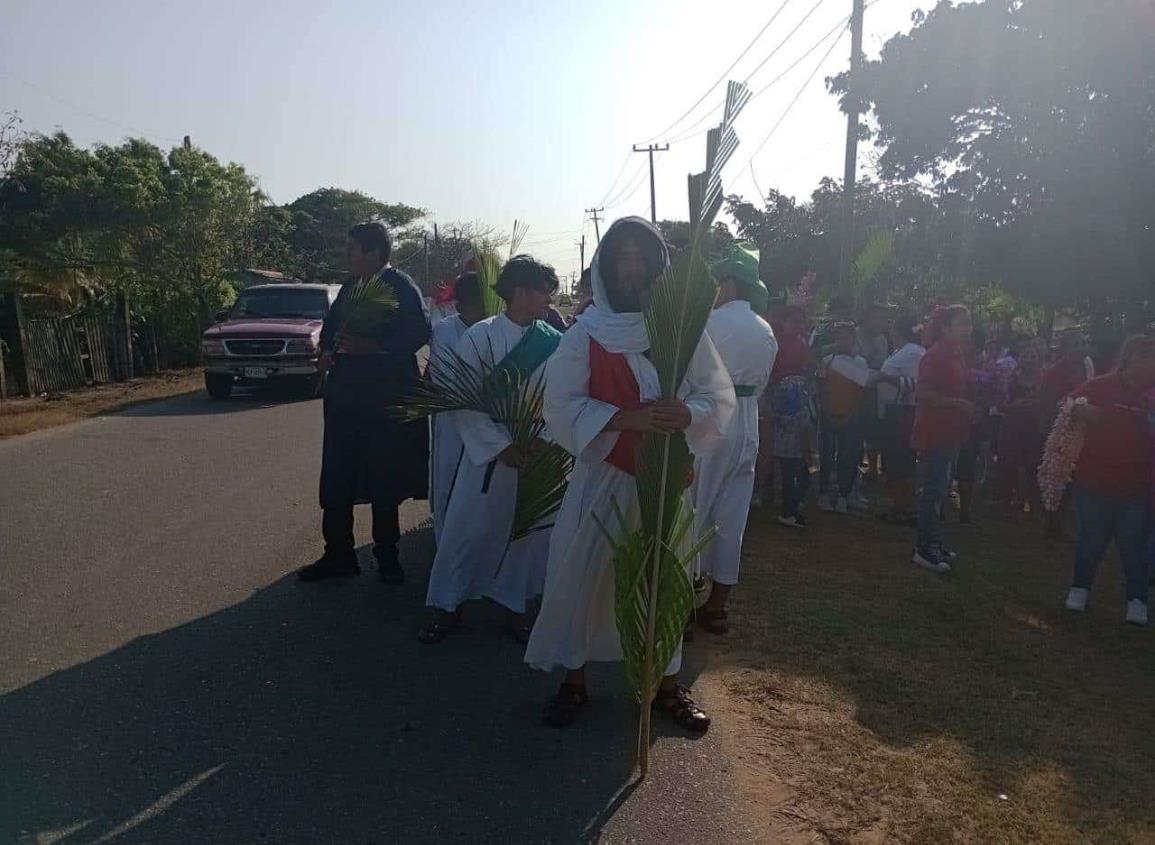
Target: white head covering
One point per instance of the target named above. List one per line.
(617, 333)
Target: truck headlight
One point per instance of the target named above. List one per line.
(210, 348)
(301, 346)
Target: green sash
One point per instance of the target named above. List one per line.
(744, 390)
(536, 345)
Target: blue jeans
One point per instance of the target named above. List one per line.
(935, 473)
(840, 453)
(1102, 519)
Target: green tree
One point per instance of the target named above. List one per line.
(1032, 120)
(321, 221)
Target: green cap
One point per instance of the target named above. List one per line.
(741, 264)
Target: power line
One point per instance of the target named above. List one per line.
(630, 185)
(67, 103)
(637, 186)
(689, 133)
(726, 72)
(618, 178)
(791, 104)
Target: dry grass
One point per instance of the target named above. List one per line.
(881, 703)
(21, 416)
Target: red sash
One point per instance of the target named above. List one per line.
(612, 381)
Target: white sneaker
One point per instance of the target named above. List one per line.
(824, 503)
(840, 505)
(1136, 612)
(1077, 599)
(791, 522)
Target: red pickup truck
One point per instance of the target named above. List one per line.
(272, 333)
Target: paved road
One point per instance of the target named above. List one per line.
(164, 679)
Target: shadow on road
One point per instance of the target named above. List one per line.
(200, 404)
(309, 713)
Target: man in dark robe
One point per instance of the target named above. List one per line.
(368, 456)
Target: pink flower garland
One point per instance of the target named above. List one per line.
(1060, 455)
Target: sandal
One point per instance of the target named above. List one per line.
(438, 629)
(562, 710)
(678, 704)
(713, 619)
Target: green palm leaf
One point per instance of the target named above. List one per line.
(653, 593)
(454, 384)
(488, 263)
(369, 302)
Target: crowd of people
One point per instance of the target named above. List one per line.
(923, 407)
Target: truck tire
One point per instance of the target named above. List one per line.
(218, 385)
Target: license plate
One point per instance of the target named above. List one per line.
(255, 372)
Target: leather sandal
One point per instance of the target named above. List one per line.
(679, 705)
(562, 710)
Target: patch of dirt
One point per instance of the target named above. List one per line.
(24, 415)
(872, 702)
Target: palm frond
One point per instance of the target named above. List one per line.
(369, 302)
(873, 256)
(653, 593)
(541, 485)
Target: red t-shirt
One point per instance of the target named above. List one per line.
(944, 370)
(791, 358)
(1116, 456)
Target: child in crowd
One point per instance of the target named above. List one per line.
(1112, 479)
(896, 406)
(844, 375)
(1020, 435)
(793, 444)
(793, 359)
(942, 420)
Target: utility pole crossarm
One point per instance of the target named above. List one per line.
(650, 149)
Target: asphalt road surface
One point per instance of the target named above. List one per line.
(165, 679)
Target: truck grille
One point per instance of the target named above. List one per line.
(271, 346)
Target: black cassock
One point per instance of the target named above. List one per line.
(368, 455)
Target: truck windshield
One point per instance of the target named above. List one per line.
(302, 304)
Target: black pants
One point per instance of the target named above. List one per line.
(795, 484)
(841, 452)
(337, 528)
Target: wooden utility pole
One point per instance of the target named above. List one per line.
(651, 149)
(594, 212)
(850, 172)
(582, 247)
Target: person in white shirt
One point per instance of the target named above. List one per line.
(446, 451)
(601, 396)
(475, 558)
(724, 478)
(896, 408)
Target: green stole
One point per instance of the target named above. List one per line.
(536, 345)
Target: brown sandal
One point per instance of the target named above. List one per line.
(714, 620)
(678, 704)
(438, 629)
(562, 710)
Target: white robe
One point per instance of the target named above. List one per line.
(446, 450)
(576, 622)
(475, 558)
(724, 479)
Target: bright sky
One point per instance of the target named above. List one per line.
(484, 110)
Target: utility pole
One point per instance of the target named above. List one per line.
(850, 173)
(595, 212)
(582, 247)
(651, 149)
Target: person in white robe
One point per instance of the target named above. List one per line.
(724, 479)
(446, 451)
(576, 622)
(475, 556)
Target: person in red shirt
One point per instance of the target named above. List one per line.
(942, 420)
(1070, 369)
(793, 359)
(1113, 476)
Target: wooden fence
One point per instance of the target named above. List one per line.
(69, 352)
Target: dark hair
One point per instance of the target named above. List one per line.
(467, 289)
(525, 271)
(373, 237)
(789, 311)
(653, 250)
(904, 326)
